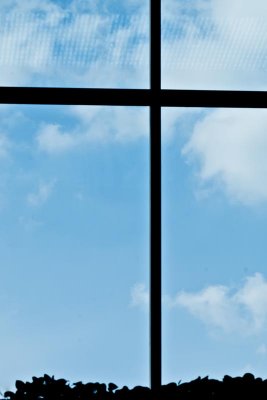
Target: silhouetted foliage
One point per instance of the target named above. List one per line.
(48, 388)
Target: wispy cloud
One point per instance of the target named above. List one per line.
(41, 195)
(51, 139)
(94, 125)
(139, 295)
(116, 124)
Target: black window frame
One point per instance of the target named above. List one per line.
(155, 98)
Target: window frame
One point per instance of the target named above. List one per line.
(155, 98)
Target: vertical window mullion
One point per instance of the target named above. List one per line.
(155, 195)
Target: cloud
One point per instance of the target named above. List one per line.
(240, 310)
(117, 124)
(170, 116)
(211, 305)
(139, 295)
(42, 194)
(51, 139)
(228, 147)
(95, 124)
(253, 297)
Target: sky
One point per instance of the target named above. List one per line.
(74, 195)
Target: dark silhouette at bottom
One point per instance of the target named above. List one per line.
(46, 388)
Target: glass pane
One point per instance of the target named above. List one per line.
(214, 243)
(74, 43)
(74, 240)
(214, 44)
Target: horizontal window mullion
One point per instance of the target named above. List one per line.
(133, 97)
(75, 96)
(213, 98)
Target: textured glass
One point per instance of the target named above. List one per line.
(214, 222)
(74, 240)
(214, 44)
(74, 44)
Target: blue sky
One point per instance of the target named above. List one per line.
(74, 198)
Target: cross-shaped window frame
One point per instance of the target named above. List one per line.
(155, 98)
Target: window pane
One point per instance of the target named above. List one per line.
(214, 243)
(214, 44)
(74, 240)
(74, 43)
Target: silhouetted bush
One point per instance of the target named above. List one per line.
(48, 388)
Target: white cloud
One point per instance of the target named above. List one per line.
(52, 140)
(253, 297)
(95, 124)
(139, 295)
(117, 124)
(171, 115)
(42, 194)
(241, 310)
(211, 305)
(230, 148)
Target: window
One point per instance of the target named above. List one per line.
(74, 243)
(213, 45)
(155, 98)
(213, 242)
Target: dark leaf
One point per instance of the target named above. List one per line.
(20, 385)
(112, 386)
(9, 394)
